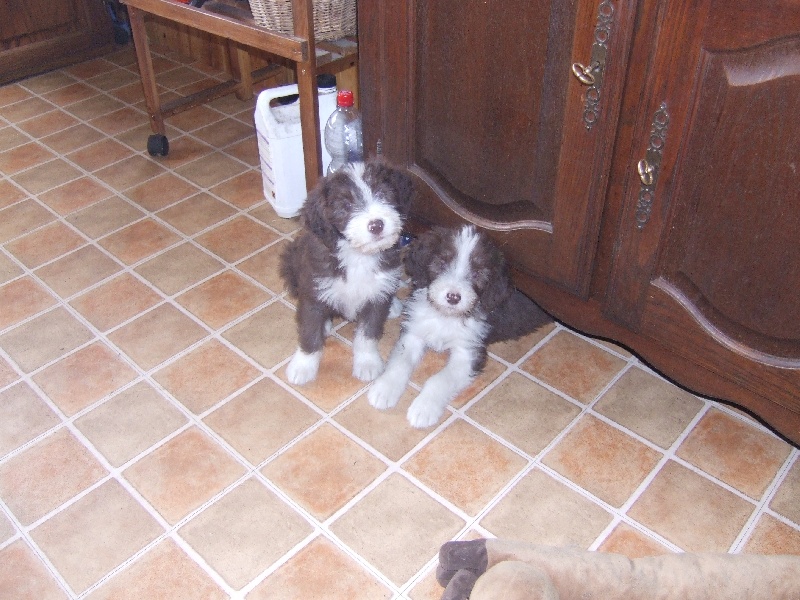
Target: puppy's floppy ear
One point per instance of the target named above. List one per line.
(418, 257)
(397, 180)
(313, 214)
(499, 287)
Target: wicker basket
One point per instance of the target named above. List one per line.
(333, 19)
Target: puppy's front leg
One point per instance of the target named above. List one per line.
(441, 388)
(367, 361)
(387, 389)
(312, 321)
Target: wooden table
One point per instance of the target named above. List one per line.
(228, 20)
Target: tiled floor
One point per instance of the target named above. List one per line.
(150, 446)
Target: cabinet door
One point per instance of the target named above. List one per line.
(37, 35)
(480, 100)
(708, 260)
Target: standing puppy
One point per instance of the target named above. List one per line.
(462, 300)
(346, 262)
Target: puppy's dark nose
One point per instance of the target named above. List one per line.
(375, 227)
(453, 298)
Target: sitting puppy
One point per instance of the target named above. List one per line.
(346, 262)
(462, 300)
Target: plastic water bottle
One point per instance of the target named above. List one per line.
(343, 133)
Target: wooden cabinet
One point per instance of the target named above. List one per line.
(38, 35)
(638, 161)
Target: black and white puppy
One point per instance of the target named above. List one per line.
(462, 300)
(346, 262)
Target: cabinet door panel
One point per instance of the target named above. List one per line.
(708, 260)
(496, 126)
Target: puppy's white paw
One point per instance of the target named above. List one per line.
(367, 365)
(385, 391)
(424, 413)
(303, 367)
(396, 309)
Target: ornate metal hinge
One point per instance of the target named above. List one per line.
(592, 75)
(648, 168)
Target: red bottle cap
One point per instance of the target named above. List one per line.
(344, 98)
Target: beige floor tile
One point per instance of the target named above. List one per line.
(178, 268)
(139, 241)
(159, 192)
(89, 68)
(177, 77)
(22, 298)
(649, 406)
(771, 536)
(11, 94)
(224, 133)
(46, 176)
(44, 339)
(21, 218)
(268, 336)
(263, 267)
(734, 452)
(320, 570)
(222, 299)
(427, 589)
(602, 460)
(542, 510)
(236, 239)
(70, 93)
(195, 117)
(23, 416)
(7, 530)
(244, 191)
(184, 473)
(24, 577)
(84, 377)
(524, 413)
(210, 169)
(231, 534)
(47, 81)
(130, 423)
(77, 271)
(397, 528)
(196, 213)
(24, 157)
(573, 366)
(8, 269)
(95, 535)
(10, 194)
(785, 499)
(433, 362)
(335, 382)
(47, 474)
(513, 350)
(630, 542)
(11, 138)
(118, 121)
(165, 571)
(104, 217)
(52, 122)
(75, 195)
(690, 511)
(385, 430)
(129, 172)
(7, 373)
(465, 466)
(45, 244)
(100, 154)
(261, 420)
(206, 375)
(157, 335)
(323, 471)
(115, 301)
(25, 107)
(95, 106)
(185, 150)
(75, 137)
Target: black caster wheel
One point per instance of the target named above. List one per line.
(157, 145)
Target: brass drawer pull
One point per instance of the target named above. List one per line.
(584, 74)
(646, 171)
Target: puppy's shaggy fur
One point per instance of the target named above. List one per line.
(346, 262)
(462, 300)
